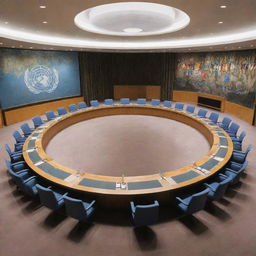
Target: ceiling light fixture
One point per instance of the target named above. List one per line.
(223, 6)
(42, 6)
(45, 22)
(220, 22)
(133, 30)
(6, 22)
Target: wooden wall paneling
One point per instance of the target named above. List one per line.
(239, 111)
(185, 96)
(27, 112)
(153, 92)
(1, 119)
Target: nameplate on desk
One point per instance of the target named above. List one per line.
(33, 138)
(30, 150)
(72, 177)
(170, 180)
(202, 170)
(218, 158)
(39, 163)
(221, 146)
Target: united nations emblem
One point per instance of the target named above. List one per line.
(41, 79)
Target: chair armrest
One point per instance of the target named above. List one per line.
(182, 201)
(132, 206)
(63, 196)
(223, 175)
(230, 170)
(209, 186)
(90, 205)
(30, 178)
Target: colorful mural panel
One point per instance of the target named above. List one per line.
(34, 76)
(231, 75)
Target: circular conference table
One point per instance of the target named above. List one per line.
(103, 187)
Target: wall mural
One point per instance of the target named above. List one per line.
(231, 75)
(33, 76)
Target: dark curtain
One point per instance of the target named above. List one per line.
(99, 72)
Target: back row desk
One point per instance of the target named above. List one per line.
(221, 148)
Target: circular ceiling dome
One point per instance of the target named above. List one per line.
(132, 19)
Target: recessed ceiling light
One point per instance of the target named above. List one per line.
(132, 30)
(6, 22)
(31, 47)
(223, 6)
(13, 46)
(42, 6)
(45, 22)
(251, 45)
(239, 47)
(220, 22)
(1, 43)
(21, 45)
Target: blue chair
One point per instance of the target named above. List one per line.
(240, 156)
(37, 121)
(94, 103)
(214, 117)
(167, 104)
(82, 105)
(17, 136)
(49, 198)
(17, 167)
(190, 109)
(62, 111)
(109, 102)
(193, 203)
(125, 101)
(144, 215)
(78, 209)
(235, 175)
(50, 115)
(18, 176)
(141, 101)
(155, 102)
(18, 147)
(202, 113)
(179, 106)
(28, 186)
(26, 129)
(15, 156)
(232, 130)
(218, 187)
(225, 123)
(72, 108)
(240, 138)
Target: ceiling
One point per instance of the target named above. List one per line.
(23, 24)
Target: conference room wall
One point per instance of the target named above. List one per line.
(100, 72)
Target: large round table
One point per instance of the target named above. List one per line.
(102, 187)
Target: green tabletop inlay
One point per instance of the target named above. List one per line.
(222, 152)
(209, 164)
(144, 184)
(185, 176)
(34, 157)
(97, 184)
(31, 144)
(223, 141)
(58, 173)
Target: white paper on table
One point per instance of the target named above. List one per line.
(72, 177)
(38, 163)
(30, 150)
(218, 158)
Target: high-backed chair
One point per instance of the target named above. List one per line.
(240, 156)
(18, 176)
(124, 101)
(235, 175)
(49, 198)
(28, 186)
(78, 209)
(94, 103)
(14, 156)
(190, 109)
(17, 136)
(179, 106)
(144, 215)
(37, 121)
(193, 203)
(155, 102)
(62, 111)
(50, 115)
(202, 113)
(224, 124)
(214, 117)
(17, 167)
(26, 129)
(141, 101)
(109, 102)
(240, 138)
(167, 103)
(82, 105)
(232, 130)
(72, 108)
(218, 187)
